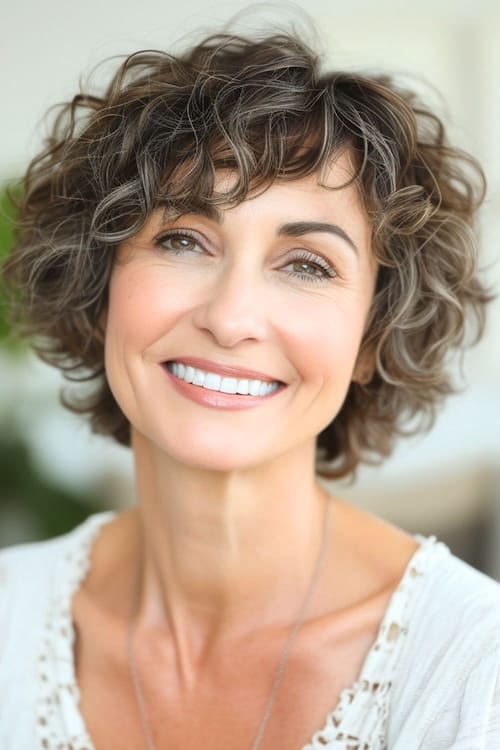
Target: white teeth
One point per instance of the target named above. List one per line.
(254, 387)
(243, 387)
(214, 382)
(199, 377)
(229, 385)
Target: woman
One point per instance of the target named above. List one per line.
(263, 268)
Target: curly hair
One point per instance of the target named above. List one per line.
(265, 109)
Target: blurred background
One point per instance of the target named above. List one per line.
(53, 473)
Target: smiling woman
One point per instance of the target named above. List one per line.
(263, 267)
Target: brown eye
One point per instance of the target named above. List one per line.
(178, 243)
(181, 243)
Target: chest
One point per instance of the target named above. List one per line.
(223, 708)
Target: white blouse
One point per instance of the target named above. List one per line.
(431, 680)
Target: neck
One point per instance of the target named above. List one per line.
(225, 553)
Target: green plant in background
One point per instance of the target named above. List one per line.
(7, 220)
(32, 505)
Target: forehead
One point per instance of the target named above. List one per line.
(335, 182)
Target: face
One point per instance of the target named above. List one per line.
(268, 299)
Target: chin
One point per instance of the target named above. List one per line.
(206, 451)
(217, 460)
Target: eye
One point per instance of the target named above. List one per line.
(178, 242)
(310, 267)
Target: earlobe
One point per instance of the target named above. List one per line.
(364, 368)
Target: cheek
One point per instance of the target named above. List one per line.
(140, 308)
(326, 338)
(132, 323)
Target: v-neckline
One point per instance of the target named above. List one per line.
(383, 652)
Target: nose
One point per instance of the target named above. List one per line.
(233, 308)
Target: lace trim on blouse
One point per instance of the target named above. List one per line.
(358, 722)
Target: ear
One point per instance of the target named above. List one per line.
(364, 369)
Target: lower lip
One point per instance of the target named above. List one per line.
(217, 399)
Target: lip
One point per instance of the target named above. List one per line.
(217, 399)
(235, 372)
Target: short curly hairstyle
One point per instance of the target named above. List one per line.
(264, 108)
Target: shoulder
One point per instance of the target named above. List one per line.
(449, 668)
(31, 562)
(456, 603)
(34, 578)
(30, 571)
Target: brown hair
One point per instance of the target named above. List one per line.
(156, 137)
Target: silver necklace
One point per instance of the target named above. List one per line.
(139, 696)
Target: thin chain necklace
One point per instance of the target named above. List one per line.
(139, 696)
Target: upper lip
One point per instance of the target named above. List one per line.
(235, 372)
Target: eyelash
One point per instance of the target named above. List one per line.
(303, 256)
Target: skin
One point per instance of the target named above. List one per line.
(230, 513)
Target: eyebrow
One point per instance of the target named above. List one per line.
(290, 229)
(298, 228)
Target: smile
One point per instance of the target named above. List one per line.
(214, 382)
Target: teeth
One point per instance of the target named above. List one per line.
(243, 386)
(214, 382)
(254, 387)
(199, 377)
(229, 385)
